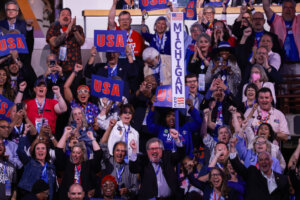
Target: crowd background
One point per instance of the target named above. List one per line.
(60, 142)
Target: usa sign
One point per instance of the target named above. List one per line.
(12, 42)
(153, 4)
(110, 41)
(164, 96)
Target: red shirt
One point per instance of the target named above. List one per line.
(48, 112)
(136, 41)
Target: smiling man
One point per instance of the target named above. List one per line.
(158, 178)
(65, 39)
(262, 183)
(268, 114)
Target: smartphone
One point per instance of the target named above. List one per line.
(19, 106)
(73, 124)
(52, 63)
(45, 122)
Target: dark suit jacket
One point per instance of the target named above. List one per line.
(144, 167)
(21, 26)
(257, 187)
(125, 70)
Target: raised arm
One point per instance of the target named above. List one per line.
(295, 157)
(22, 87)
(106, 135)
(269, 12)
(62, 142)
(95, 144)
(67, 87)
(61, 106)
(111, 16)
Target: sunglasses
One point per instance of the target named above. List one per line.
(84, 91)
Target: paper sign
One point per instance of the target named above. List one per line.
(164, 95)
(153, 4)
(5, 105)
(177, 57)
(10, 42)
(107, 87)
(191, 12)
(110, 41)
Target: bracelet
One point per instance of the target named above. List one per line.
(52, 138)
(21, 91)
(75, 72)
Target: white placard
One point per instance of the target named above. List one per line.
(177, 56)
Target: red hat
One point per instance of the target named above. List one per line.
(109, 178)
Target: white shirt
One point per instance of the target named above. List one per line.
(272, 185)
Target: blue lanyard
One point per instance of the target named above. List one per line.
(157, 170)
(5, 172)
(119, 174)
(20, 129)
(54, 77)
(126, 134)
(160, 43)
(44, 175)
(40, 107)
(112, 71)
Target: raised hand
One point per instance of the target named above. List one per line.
(93, 51)
(112, 123)
(90, 135)
(56, 90)
(133, 146)
(174, 134)
(78, 67)
(22, 86)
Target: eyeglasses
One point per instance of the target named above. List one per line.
(154, 148)
(260, 142)
(7, 127)
(215, 175)
(83, 91)
(127, 112)
(119, 150)
(12, 10)
(258, 19)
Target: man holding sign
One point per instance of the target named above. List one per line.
(135, 40)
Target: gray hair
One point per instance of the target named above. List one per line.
(162, 18)
(209, 7)
(267, 143)
(153, 140)
(198, 26)
(227, 128)
(84, 121)
(205, 36)
(265, 153)
(150, 53)
(263, 75)
(12, 2)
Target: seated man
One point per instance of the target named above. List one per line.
(266, 113)
(157, 65)
(158, 178)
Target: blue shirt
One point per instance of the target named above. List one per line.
(162, 45)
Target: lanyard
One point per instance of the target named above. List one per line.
(119, 173)
(112, 71)
(160, 43)
(5, 172)
(40, 107)
(215, 196)
(247, 106)
(13, 83)
(129, 36)
(44, 175)
(54, 77)
(126, 134)
(77, 174)
(20, 129)
(157, 170)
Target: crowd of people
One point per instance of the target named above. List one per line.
(60, 142)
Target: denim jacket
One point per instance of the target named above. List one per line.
(33, 171)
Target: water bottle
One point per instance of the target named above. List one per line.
(201, 79)
(136, 4)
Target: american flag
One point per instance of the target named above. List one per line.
(177, 16)
(180, 100)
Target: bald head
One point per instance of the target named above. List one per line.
(258, 21)
(76, 192)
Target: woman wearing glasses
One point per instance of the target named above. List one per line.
(82, 99)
